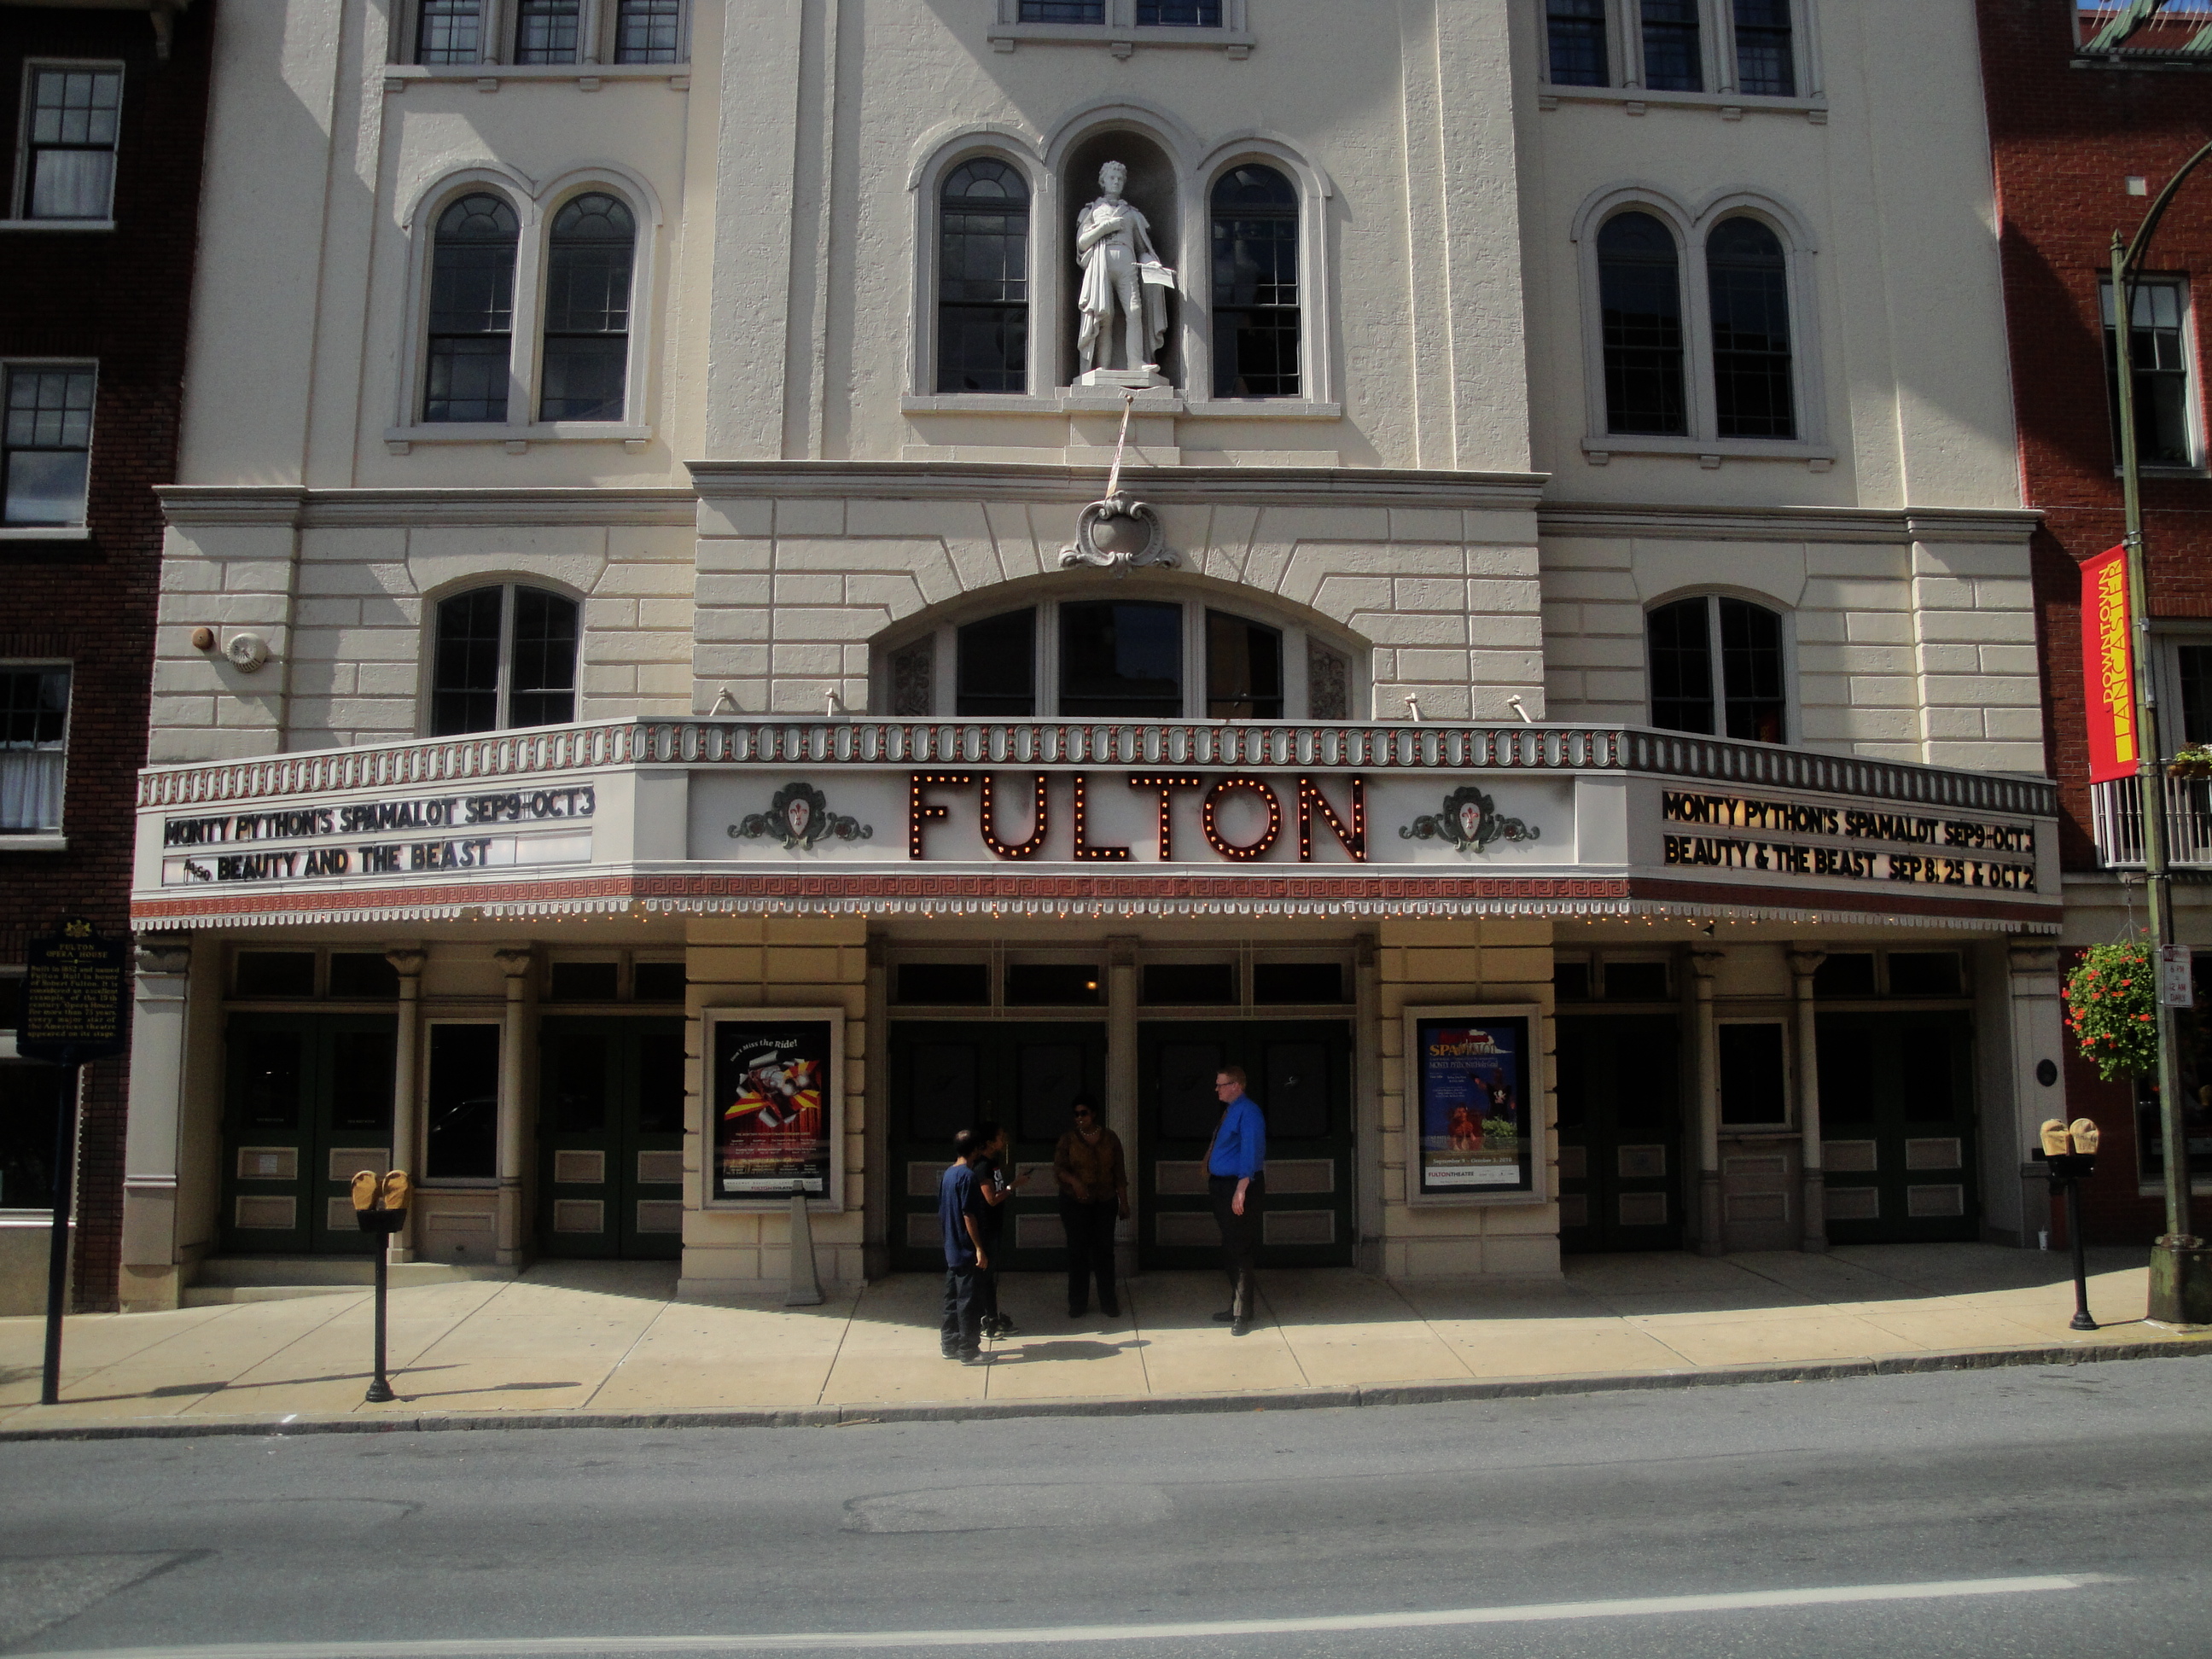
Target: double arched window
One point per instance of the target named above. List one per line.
(1234, 238)
(1717, 666)
(528, 318)
(1702, 349)
(502, 656)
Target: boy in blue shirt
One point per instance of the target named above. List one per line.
(960, 1334)
(1235, 1172)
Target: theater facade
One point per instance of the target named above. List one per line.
(772, 589)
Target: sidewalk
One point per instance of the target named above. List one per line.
(601, 1342)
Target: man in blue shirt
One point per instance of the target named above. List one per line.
(960, 1336)
(1235, 1170)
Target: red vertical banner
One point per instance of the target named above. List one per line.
(2108, 666)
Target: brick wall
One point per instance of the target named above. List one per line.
(121, 297)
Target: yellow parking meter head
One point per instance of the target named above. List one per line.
(397, 1187)
(2085, 1135)
(2054, 1138)
(364, 1189)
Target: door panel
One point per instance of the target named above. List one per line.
(1897, 1128)
(610, 1136)
(308, 1103)
(1620, 1132)
(1300, 1075)
(946, 1077)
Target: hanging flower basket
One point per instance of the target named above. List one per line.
(2191, 763)
(2111, 1008)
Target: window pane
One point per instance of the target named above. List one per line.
(274, 973)
(72, 132)
(545, 31)
(360, 1080)
(362, 974)
(72, 184)
(588, 300)
(33, 724)
(543, 686)
(448, 32)
(1255, 285)
(1122, 659)
(1577, 42)
(2159, 360)
(575, 1093)
(1244, 669)
(1671, 59)
(649, 32)
(465, 675)
(1751, 670)
(463, 1118)
(1681, 654)
(1752, 1086)
(1184, 984)
(1764, 64)
(983, 279)
(1640, 301)
(30, 1104)
(996, 676)
(2194, 663)
(472, 311)
(1179, 14)
(268, 1080)
(48, 438)
(1063, 11)
(1751, 331)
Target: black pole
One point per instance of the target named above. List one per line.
(57, 1253)
(2082, 1320)
(380, 1387)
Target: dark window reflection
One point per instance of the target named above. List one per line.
(1752, 1090)
(1577, 31)
(1751, 331)
(1255, 284)
(1640, 304)
(1121, 658)
(576, 1084)
(996, 675)
(1751, 670)
(360, 1080)
(465, 666)
(1244, 669)
(661, 1098)
(463, 1139)
(983, 279)
(1681, 666)
(30, 1102)
(270, 1065)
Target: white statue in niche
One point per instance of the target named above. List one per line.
(1121, 271)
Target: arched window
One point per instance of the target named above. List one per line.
(1750, 289)
(1737, 692)
(1640, 301)
(983, 279)
(472, 311)
(504, 656)
(1255, 284)
(587, 284)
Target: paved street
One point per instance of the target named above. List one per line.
(2056, 1510)
(605, 1338)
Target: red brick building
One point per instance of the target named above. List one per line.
(104, 108)
(2088, 120)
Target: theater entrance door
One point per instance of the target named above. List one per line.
(610, 1136)
(1620, 1132)
(308, 1103)
(1299, 1073)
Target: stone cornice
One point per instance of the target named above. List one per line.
(197, 505)
(1792, 524)
(1256, 486)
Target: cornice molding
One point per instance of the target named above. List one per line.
(1768, 524)
(193, 506)
(1194, 486)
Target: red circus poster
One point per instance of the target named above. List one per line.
(2108, 667)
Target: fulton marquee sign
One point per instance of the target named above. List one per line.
(885, 816)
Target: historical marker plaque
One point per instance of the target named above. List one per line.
(76, 984)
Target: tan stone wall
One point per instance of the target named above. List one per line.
(1422, 963)
(772, 961)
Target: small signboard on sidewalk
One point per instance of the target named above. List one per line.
(76, 986)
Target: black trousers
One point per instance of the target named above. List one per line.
(962, 1330)
(1240, 1239)
(1090, 1251)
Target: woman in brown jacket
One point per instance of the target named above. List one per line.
(1094, 1193)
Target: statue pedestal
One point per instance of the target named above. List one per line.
(1146, 378)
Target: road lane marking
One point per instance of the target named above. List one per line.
(833, 1641)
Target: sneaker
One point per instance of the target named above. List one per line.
(949, 1353)
(972, 1357)
(1003, 1326)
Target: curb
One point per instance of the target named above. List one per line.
(1399, 1393)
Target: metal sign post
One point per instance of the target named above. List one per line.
(76, 985)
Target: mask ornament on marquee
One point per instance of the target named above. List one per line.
(799, 816)
(1469, 821)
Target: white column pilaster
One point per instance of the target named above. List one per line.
(1814, 1209)
(406, 1081)
(516, 963)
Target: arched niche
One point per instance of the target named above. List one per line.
(1151, 187)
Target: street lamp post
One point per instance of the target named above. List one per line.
(2180, 1268)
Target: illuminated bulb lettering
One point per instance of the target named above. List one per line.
(1038, 824)
(1166, 783)
(1311, 801)
(1083, 850)
(1219, 793)
(918, 811)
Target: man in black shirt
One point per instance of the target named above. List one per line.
(992, 1190)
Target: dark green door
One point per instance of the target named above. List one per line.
(1620, 1132)
(1897, 1128)
(1300, 1074)
(610, 1136)
(949, 1076)
(308, 1103)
